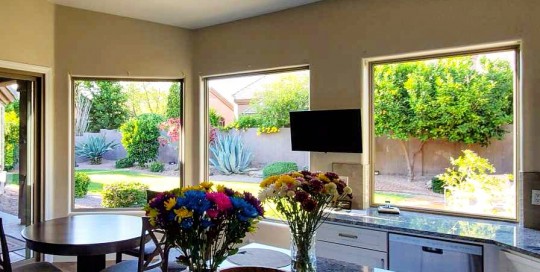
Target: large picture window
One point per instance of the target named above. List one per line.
(444, 132)
(127, 140)
(249, 134)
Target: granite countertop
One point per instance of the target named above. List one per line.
(506, 235)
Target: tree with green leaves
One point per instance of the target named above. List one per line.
(140, 137)
(108, 105)
(459, 99)
(273, 104)
(174, 101)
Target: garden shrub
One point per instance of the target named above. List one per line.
(124, 195)
(140, 137)
(278, 168)
(82, 181)
(157, 166)
(123, 163)
(11, 134)
(245, 121)
(437, 185)
(216, 119)
(229, 154)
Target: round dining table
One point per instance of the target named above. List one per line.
(89, 237)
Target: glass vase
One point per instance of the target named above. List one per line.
(303, 258)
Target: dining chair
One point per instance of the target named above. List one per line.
(150, 247)
(250, 269)
(5, 262)
(154, 261)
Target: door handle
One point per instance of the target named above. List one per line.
(432, 250)
(348, 235)
(382, 264)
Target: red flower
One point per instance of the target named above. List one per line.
(309, 205)
(301, 196)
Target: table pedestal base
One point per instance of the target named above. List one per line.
(94, 263)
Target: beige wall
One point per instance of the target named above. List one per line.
(95, 44)
(334, 37)
(27, 31)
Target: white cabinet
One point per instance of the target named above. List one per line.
(353, 245)
(514, 262)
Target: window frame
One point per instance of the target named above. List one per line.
(369, 65)
(181, 144)
(205, 164)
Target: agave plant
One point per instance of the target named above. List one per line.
(94, 148)
(229, 154)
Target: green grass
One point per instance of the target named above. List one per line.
(99, 178)
(394, 198)
(12, 179)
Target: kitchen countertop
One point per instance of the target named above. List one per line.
(506, 235)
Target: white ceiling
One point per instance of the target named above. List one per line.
(190, 14)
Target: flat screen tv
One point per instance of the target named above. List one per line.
(326, 131)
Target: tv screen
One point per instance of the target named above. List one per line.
(326, 131)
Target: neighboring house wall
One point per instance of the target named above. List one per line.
(222, 106)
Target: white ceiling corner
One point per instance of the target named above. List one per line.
(191, 14)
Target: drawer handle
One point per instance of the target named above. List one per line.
(348, 235)
(432, 250)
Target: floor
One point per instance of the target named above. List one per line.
(13, 228)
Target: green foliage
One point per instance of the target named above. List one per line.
(108, 105)
(469, 169)
(140, 137)
(245, 121)
(174, 101)
(11, 136)
(123, 163)
(437, 185)
(145, 97)
(278, 168)
(94, 148)
(229, 154)
(273, 104)
(156, 166)
(446, 100)
(215, 118)
(124, 195)
(82, 181)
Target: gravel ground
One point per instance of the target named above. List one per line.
(400, 184)
(9, 201)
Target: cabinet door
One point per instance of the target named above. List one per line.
(351, 254)
(512, 262)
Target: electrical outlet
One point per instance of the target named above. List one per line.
(535, 197)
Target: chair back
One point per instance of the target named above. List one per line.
(157, 257)
(5, 262)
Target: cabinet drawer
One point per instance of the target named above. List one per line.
(351, 236)
(350, 254)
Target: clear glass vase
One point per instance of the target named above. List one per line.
(303, 257)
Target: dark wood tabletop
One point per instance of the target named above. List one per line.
(89, 237)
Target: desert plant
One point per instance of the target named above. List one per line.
(82, 181)
(278, 168)
(156, 166)
(229, 154)
(94, 148)
(83, 104)
(123, 163)
(140, 137)
(124, 195)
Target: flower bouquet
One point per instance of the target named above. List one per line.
(304, 199)
(206, 225)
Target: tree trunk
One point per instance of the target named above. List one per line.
(410, 161)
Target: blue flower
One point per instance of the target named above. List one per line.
(195, 201)
(206, 223)
(187, 223)
(245, 211)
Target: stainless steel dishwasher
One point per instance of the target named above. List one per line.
(416, 254)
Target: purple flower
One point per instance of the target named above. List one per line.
(309, 205)
(254, 202)
(301, 196)
(331, 175)
(316, 185)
